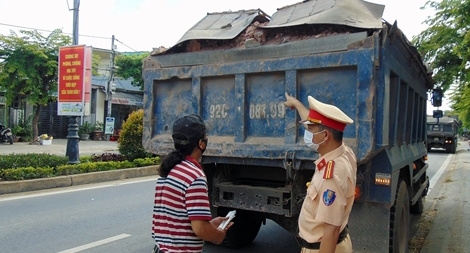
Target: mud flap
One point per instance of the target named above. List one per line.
(369, 226)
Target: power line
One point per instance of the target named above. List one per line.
(81, 35)
(125, 45)
(44, 30)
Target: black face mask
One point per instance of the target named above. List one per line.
(205, 146)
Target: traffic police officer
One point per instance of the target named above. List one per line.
(330, 194)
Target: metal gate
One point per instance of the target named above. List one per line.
(52, 124)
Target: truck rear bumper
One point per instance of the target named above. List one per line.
(253, 198)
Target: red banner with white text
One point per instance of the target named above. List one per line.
(74, 79)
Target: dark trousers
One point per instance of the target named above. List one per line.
(304, 244)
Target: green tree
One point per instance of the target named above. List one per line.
(445, 44)
(130, 138)
(95, 63)
(130, 66)
(28, 68)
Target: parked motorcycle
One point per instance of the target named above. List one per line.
(5, 134)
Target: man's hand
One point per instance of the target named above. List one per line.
(294, 103)
(291, 102)
(216, 222)
(208, 231)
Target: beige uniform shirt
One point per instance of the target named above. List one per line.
(329, 200)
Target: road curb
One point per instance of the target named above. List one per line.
(7, 187)
(34, 184)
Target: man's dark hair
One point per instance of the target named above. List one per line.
(187, 131)
(172, 159)
(337, 135)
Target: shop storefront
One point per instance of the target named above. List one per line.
(123, 105)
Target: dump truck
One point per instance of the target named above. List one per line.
(442, 133)
(234, 68)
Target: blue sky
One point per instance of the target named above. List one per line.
(143, 24)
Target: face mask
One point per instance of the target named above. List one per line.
(308, 139)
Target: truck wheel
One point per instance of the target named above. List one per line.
(245, 228)
(448, 148)
(400, 221)
(454, 148)
(418, 207)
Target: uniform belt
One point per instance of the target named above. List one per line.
(157, 250)
(316, 245)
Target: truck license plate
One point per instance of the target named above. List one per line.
(436, 139)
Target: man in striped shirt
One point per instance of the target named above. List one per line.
(182, 219)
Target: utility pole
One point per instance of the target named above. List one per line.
(76, 5)
(111, 75)
(109, 89)
(72, 151)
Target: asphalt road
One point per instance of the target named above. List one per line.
(109, 217)
(64, 219)
(106, 217)
(436, 158)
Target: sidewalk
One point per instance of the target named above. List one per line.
(59, 146)
(447, 208)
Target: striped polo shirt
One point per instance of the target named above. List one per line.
(180, 198)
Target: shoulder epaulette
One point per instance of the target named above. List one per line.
(330, 167)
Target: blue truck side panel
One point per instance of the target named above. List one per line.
(242, 101)
(251, 105)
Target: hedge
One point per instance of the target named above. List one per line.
(32, 160)
(31, 172)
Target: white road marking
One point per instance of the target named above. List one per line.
(95, 244)
(73, 190)
(438, 174)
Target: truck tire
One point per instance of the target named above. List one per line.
(454, 147)
(400, 220)
(245, 228)
(418, 207)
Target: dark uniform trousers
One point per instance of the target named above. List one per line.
(343, 247)
(344, 244)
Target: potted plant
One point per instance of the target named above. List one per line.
(84, 130)
(97, 132)
(17, 130)
(23, 131)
